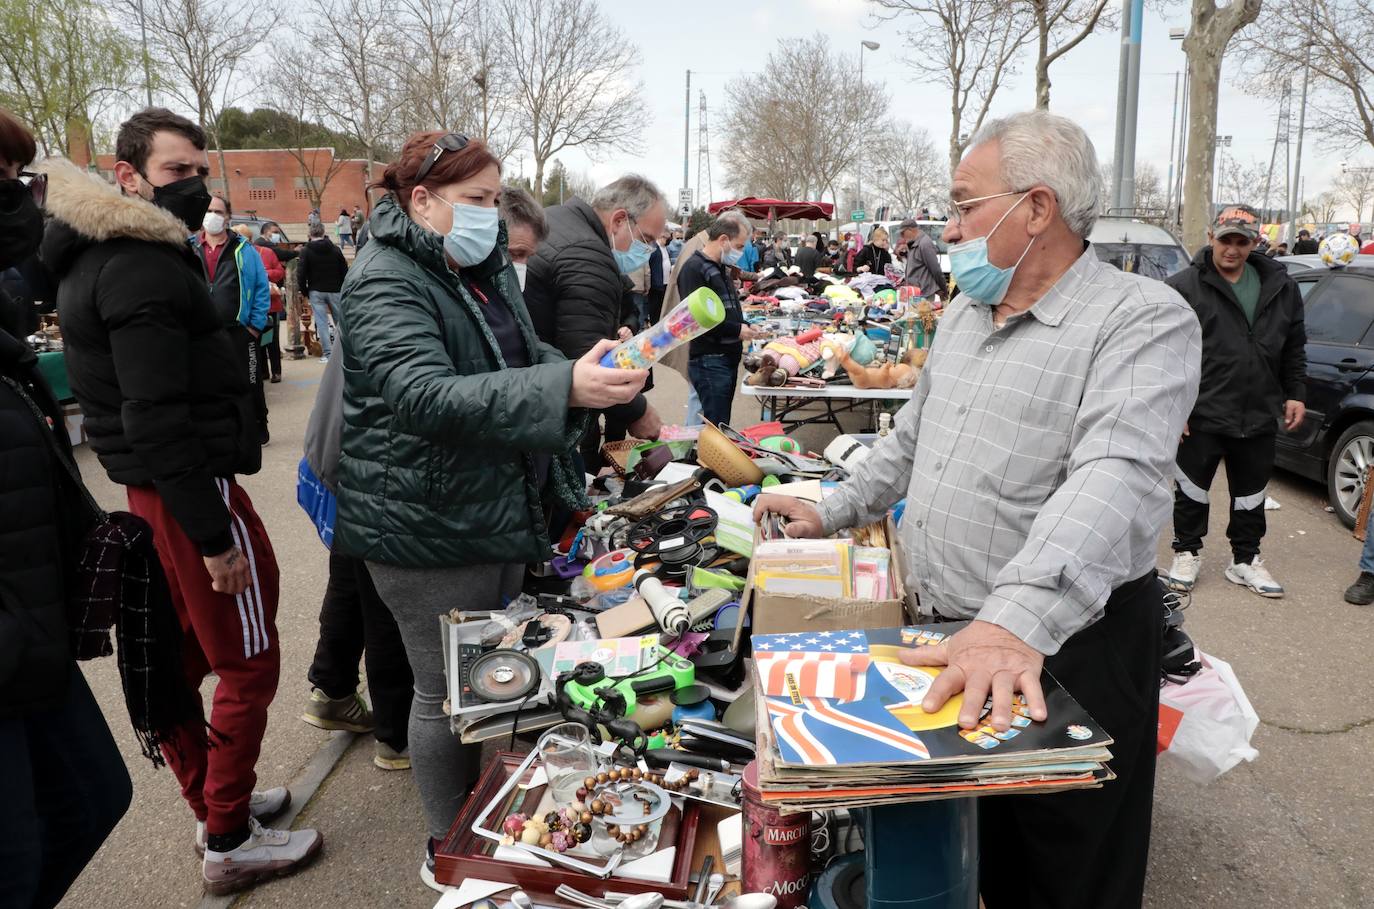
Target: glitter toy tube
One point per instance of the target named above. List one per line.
(693, 317)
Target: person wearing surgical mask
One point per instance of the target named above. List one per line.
(713, 367)
(578, 291)
(241, 293)
(459, 425)
(525, 227)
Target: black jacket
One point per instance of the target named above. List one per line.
(322, 267)
(164, 394)
(875, 257)
(808, 260)
(1247, 372)
(574, 290)
(1308, 247)
(41, 525)
(700, 271)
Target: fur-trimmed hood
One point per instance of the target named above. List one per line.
(85, 209)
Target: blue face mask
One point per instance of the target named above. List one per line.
(731, 256)
(634, 258)
(473, 234)
(978, 278)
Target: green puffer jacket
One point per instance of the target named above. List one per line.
(435, 467)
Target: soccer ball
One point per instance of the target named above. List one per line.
(1338, 250)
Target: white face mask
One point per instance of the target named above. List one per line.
(521, 270)
(213, 223)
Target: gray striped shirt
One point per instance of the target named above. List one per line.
(1037, 458)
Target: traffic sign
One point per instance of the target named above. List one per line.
(858, 215)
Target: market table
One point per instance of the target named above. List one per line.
(781, 403)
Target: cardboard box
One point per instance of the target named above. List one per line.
(777, 613)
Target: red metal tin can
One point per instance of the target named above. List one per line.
(776, 849)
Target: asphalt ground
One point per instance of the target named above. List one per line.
(1291, 829)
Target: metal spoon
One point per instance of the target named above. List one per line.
(642, 901)
(521, 900)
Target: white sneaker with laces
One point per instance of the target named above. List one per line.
(266, 853)
(262, 805)
(1184, 571)
(1256, 577)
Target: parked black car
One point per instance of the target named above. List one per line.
(1335, 443)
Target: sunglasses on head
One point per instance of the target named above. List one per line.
(12, 192)
(451, 142)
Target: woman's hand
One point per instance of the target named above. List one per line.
(596, 387)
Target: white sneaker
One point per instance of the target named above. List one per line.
(1183, 573)
(1256, 577)
(262, 805)
(324, 359)
(266, 853)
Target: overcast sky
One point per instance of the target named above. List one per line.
(719, 39)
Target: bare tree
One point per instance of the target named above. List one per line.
(1355, 187)
(306, 138)
(572, 79)
(1149, 191)
(61, 63)
(795, 129)
(207, 49)
(437, 91)
(351, 72)
(969, 47)
(1210, 31)
(1323, 207)
(1241, 182)
(1060, 26)
(911, 171)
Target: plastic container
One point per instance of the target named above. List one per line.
(693, 317)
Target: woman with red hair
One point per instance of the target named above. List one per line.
(458, 425)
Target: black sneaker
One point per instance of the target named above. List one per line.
(1361, 593)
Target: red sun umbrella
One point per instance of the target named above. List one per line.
(773, 209)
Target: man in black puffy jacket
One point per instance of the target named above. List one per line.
(1254, 368)
(575, 291)
(170, 416)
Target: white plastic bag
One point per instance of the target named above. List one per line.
(1205, 723)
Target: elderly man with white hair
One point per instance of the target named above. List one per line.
(1036, 457)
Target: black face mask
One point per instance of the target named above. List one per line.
(188, 200)
(21, 223)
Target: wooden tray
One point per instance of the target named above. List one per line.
(463, 854)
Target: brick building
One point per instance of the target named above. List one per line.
(272, 183)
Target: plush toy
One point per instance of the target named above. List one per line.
(858, 347)
(783, 358)
(902, 374)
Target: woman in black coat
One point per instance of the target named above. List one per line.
(875, 253)
(63, 784)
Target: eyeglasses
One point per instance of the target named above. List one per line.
(12, 191)
(451, 142)
(959, 210)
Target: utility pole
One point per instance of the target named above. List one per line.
(703, 153)
(1127, 104)
(859, 164)
(687, 139)
(1173, 128)
(147, 67)
(1281, 131)
(1294, 197)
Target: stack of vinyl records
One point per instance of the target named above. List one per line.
(840, 725)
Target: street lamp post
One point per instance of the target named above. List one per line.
(1294, 196)
(147, 68)
(859, 168)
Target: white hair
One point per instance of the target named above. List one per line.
(631, 192)
(1041, 148)
(736, 217)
